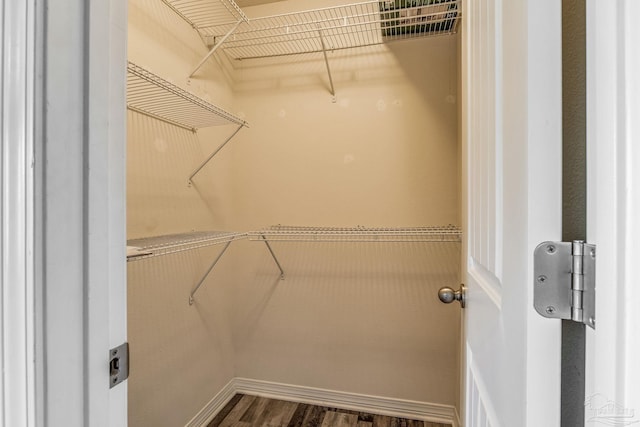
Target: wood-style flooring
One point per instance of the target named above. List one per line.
(250, 411)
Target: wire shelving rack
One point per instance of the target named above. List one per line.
(283, 233)
(204, 14)
(322, 30)
(333, 28)
(150, 247)
(139, 249)
(150, 94)
(156, 97)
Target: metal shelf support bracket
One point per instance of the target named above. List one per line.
(216, 46)
(326, 61)
(214, 153)
(213, 264)
(273, 255)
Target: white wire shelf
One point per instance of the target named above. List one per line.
(333, 28)
(138, 249)
(149, 247)
(203, 14)
(154, 96)
(282, 233)
(206, 13)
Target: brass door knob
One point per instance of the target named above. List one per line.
(448, 295)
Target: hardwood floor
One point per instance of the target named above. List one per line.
(244, 410)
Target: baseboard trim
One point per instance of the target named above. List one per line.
(211, 409)
(456, 420)
(426, 411)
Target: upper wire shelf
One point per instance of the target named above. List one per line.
(341, 27)
(154, 96)
(281, 233)
(206, 13)
(173, 243)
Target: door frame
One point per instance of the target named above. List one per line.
(613, 209)
(80, 171)
(17, 282)
(80, 304)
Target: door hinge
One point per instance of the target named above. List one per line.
(118, 364)
(564, 285)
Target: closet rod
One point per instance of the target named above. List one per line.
(214, 153)
(213, 264)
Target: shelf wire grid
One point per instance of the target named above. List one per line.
(149, 247)
(340, 27)
(206, 13)
(173, 243)
(282, 233)
(154, 96)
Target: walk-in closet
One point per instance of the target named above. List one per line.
(293, 207)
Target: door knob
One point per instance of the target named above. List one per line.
(448, 295)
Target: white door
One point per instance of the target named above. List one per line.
(613, 211)
(511, 65)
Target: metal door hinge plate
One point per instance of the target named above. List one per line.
(564, 284)
(118, 364)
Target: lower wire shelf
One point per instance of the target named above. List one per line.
(358, 234)
(148, 247)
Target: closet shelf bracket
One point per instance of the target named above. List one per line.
(216, 46)
(215, 261)
(213, 264)
(189, 181)
(326, 62)
(273, 255)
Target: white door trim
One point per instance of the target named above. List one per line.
(17, 290)
(544, 130)
(613, 206)
(82, 169)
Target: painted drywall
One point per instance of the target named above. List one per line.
(181, 355)
(361, 318)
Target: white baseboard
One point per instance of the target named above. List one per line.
(426, 411)
(214, 406)
(456, 420)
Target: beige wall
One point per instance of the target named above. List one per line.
(181, 355)
(361, 318)
(384, 154)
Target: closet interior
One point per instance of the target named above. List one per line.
(293, 205)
